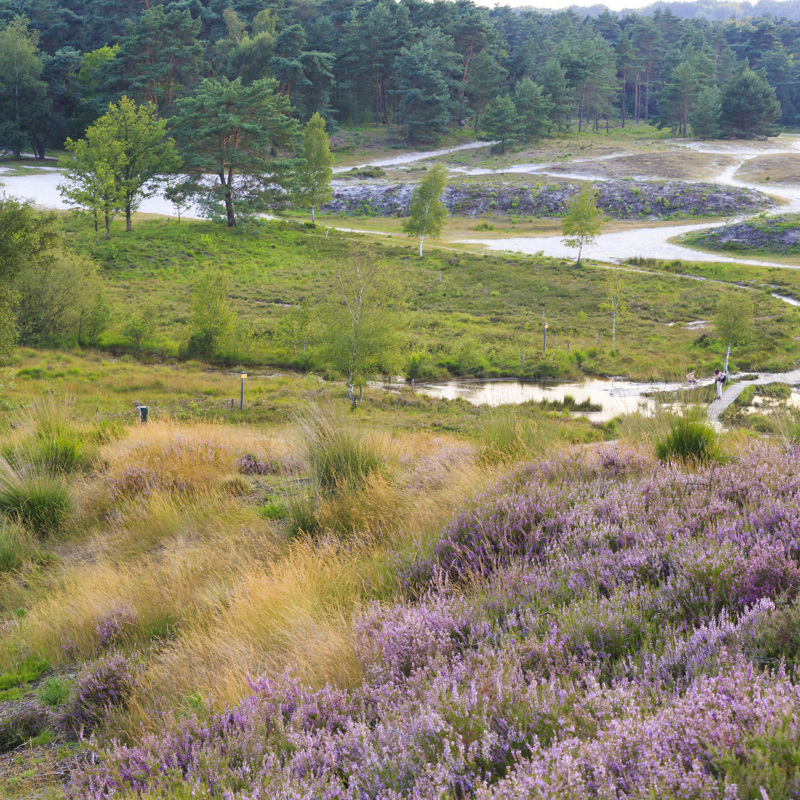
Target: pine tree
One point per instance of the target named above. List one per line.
(749, 106)
(501, 122)
(533, 109)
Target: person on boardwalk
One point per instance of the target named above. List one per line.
(719, 379)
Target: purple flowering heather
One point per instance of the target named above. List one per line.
(115, 625)
(100, 687)
(589, 628)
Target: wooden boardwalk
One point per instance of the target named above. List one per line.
(732, 392)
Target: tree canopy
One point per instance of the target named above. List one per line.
(424, 66)
(229, 132)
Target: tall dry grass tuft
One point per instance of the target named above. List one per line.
(188, 576)
(175, 457)
(49, 440)
(506, 436)
(295, 614)
(40, 502)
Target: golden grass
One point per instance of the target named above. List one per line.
(295, 614)
(219, 592)
(187, 576)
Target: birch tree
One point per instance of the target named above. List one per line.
(427, 211)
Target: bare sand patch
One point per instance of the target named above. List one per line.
(781, 168)
(668, 165)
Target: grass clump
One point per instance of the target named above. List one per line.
(16, 547)
(507, 436)
(52, 442)
(689, 438)
(39, 502)
(338, 453)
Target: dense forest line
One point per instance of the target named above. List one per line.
(423, 65)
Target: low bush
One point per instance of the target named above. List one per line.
(55, 692)
(20, 725)
(100, 687)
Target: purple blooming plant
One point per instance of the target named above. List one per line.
(115, 625)
(100, 687)
(588, 628)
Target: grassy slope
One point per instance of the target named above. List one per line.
(478, 319)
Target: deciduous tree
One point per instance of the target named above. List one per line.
(583, 221)
(23, 94)
(733, 321)
(125, 153)
(363, 318)
(314, 174)
(427, 211)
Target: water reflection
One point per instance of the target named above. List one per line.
(617, 397)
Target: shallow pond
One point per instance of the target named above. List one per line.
(616, 397)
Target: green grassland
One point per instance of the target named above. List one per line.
(469, 313)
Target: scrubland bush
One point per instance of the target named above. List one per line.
(20, 725)
(100, 687)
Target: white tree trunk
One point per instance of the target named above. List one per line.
(420, 244)
(727, 356)
(614, 334)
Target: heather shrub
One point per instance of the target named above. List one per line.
(40, 502)
(20, 724)
(250, 464)
(688, 439)
(100, 687)
(116, 626)
(766, 766)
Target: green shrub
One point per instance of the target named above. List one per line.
(689, 438)
(55, 692)
(777, 391)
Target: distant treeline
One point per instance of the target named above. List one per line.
(424, 65)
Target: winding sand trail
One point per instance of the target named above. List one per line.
(653, 242)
